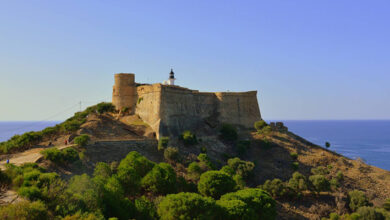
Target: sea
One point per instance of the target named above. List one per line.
(365, 139)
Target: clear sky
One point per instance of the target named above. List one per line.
(307, 59)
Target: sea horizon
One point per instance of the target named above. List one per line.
(367, 139)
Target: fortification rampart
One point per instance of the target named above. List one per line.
(124, 92)
(169, 109)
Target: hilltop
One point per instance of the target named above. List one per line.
(273, 153)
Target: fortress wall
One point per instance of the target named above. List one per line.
(240, 108)
(148, 105)
(183, 109)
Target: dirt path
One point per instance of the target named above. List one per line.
(28, 156)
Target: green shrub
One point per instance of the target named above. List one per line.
(23, 141)
(240, 182)
(241, 167)
(24, 210)
(357, 199)
(194, 171)
(60, 156)
(102, 170)
(205, 162)
(215, 184)
(370, 213)
(319, 183)
(257, 199)
(229, 170)
(188, 138)
(320, 170)
(295, 165)
(160, 180)
(163, 143)
(105, 107)
(187, 206)
(327, 144)
(46, 179)
(81, 140)
(386, 205)
(260, 125)
(340, 176)
(334, 216)
(277, 188)
(30, 192)
(145, 209)
(294, 156)
(203, 150)
(334, 183)
(236, 209)
(298, 182)
(228, 132)
(138, 162)
(171, 154)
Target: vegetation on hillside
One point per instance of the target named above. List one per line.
(29, 139)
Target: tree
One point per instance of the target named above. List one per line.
(327, 144)
(161, 179)
(298, 182)
(24, 210)
(187, 206)
(237, 209)
(138, 162)
(81, 140)
(357, 199)
(103, 170)
(241, 167)
(277, 188)
(171, 154)
(370, 213)
(215, 184)
(320, 183)
(257, 199)
(194, 171)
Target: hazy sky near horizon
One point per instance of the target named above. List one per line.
(307, 59)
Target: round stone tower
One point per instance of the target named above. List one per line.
(124, 92)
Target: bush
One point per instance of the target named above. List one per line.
(205, 162)
(160, 180)
(327, 144)
(298, 182)
(188, 138)
(370, 213)
(102, 170)
(340, 176)
(320, 170)
(105, 107)
(145, 209)
(23, 141)
(194, 171)
(277, 188)
(60, 156)
(228, 170)
(236, 209)
(215, 184)
(187, 206)
(138, 162)
(294, 156)
(260, 125)
(81, 140)
(257, 199)
(163, 143)
(30, 192)
(241, 167)
(171, 154)
(320, 183)
(228, 132)
(357, 199)
(386, 205)
(295, 165)
(24, 210)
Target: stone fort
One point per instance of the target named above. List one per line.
(170, 109)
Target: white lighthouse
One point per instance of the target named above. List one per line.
(171, 80)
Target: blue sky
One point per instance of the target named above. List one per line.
(307, 59)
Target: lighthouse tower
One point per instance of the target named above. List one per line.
(171, 80)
